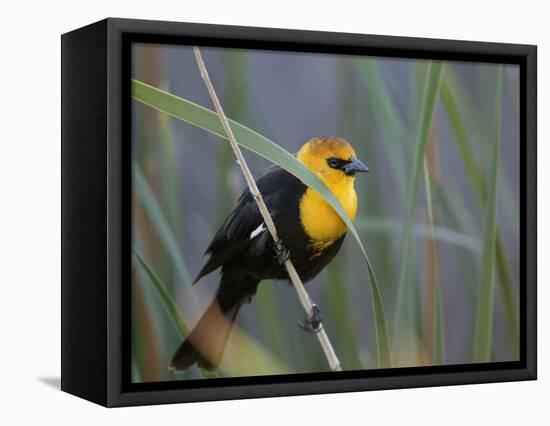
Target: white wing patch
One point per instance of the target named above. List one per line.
(257, 231)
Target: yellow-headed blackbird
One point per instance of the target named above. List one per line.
(311, 231)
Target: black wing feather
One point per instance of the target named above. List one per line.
(279, 190)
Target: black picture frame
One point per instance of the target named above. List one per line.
(96, 224)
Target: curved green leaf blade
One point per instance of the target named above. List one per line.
(208, 120)
(153, 209)
(167, 301)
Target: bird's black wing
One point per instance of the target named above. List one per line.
(280, 190)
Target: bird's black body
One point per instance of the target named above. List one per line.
(253, 259)
(246, 259)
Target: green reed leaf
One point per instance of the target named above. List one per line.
(427, 110)
(485, 306)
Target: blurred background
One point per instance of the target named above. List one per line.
(186, 181)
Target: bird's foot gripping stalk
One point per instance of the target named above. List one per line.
(282, 253)
(313, 323)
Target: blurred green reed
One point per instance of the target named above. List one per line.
(165, 298)
(429, 96)
(438, 351)
(485, 301)
(460, 110)
(425, 211)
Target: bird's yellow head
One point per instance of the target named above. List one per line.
(332, 159)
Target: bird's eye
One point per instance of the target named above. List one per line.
(333, 162)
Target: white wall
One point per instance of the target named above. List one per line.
(30, 199)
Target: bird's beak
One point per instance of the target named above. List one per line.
(354, 166)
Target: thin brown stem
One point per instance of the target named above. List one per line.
(332, 359)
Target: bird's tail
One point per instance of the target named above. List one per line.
(206, 342)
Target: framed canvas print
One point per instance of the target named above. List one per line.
(251, 212)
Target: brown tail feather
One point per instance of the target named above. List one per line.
(206, 342)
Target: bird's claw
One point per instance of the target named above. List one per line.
(282, 253)
(313, 323)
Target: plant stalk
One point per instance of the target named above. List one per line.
(331, 356)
